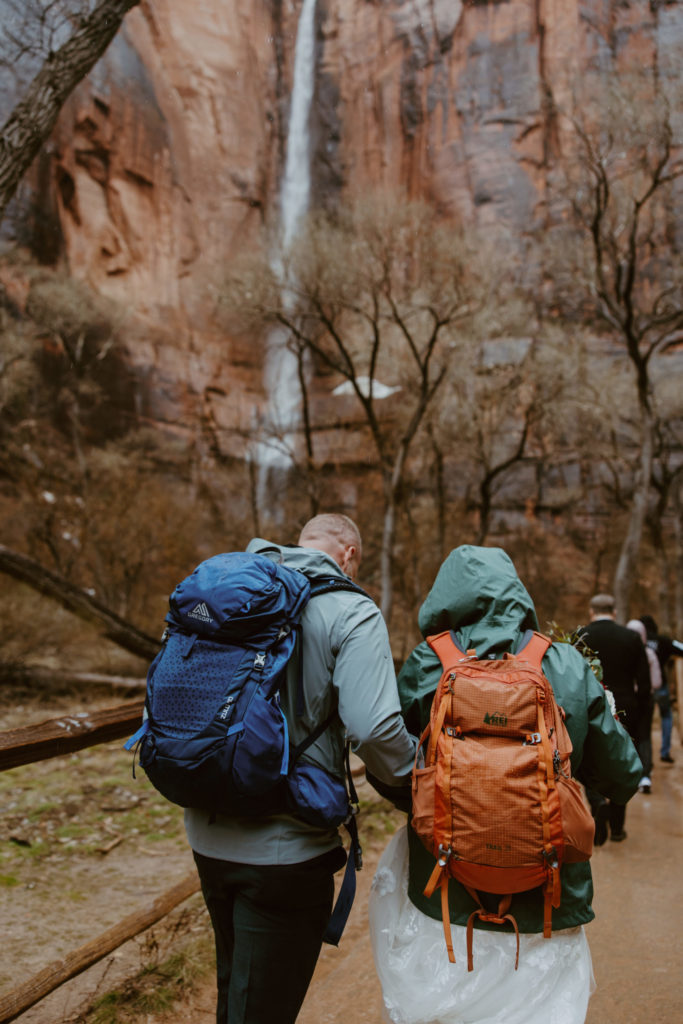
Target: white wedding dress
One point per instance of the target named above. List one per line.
(420, 986)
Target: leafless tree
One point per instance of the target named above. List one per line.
(625, 275)
(512, 410)
(62, 38)
(382, 297)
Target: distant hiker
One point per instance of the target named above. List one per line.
(478, 599)
(645, 731)
(627, 675)
(666, 648)
(268, 881)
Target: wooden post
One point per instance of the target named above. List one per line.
(55, 974)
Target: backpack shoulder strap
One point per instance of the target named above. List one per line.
(533, 647)
(328, 584)
(446, 647)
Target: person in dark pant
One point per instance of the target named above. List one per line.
(645, 743)
(268, 881)
(665, 648)
(268, 922)
(627, 675)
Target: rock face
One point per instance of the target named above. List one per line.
(168, 158)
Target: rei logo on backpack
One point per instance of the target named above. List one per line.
(495, 801)
(214, 736)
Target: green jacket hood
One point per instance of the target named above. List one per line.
(478, 594)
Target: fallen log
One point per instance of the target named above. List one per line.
(19, 999)
(46, 679)
(65, 735)
(76, 600)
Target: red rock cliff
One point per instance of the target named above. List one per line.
(168, 158)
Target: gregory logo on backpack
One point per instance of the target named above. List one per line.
(498, 809)
(200, 611)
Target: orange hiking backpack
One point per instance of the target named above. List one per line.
(495, 801)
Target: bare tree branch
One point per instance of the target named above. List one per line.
(34, 117)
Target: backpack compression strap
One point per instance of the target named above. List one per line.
(354, 862)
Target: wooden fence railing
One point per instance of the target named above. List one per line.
(50, 739)
(65, 735)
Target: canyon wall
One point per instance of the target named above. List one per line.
(167, 160)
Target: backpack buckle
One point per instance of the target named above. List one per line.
(532, 738)
(445, 854)
(550, 857)
(260, 660)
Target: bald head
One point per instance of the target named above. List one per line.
(336, 535)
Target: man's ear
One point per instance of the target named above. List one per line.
(348, 561)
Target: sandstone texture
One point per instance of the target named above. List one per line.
(168, 158)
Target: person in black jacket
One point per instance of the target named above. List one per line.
(626, 674)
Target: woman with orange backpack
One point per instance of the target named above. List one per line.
(422, 894)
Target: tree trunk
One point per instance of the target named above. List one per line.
(387, 553)
(392, 485)
(74, 599)
(484, 510)
(628, 556)
(440, 496)
(34, 117)
(677, 624)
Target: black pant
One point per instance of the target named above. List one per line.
(268, 922)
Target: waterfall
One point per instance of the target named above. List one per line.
(296, 186)
(281, 380)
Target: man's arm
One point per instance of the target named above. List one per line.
(368, 703)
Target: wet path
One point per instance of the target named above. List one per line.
(636, 937)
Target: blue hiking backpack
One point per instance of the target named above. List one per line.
(214, 736)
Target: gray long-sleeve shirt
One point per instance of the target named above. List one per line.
(347, 665)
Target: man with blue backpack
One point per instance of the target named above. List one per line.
(309, 671)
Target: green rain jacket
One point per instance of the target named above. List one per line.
(478, 594)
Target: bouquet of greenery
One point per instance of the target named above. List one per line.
(559, 635)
